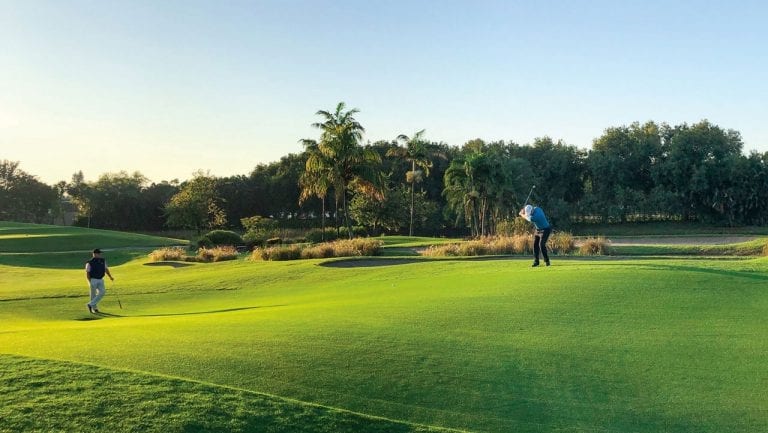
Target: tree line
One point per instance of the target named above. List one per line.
(410, 185)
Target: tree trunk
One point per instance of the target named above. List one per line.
(346, 216)
(413, 186)
(322, 220)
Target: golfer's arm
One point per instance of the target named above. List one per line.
(522, 214)
(109, 273)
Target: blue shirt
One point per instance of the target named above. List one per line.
(538, 219)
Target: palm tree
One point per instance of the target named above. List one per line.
(416, 151)
(315, 181)
(340, 161)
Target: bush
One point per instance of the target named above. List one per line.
(254, 239)
(219, 237)
(598, 246)
(287, 252)
(516, 226)
(561, 243)
(168, 253)
(342, 248)
(216, 254)
(316, 235)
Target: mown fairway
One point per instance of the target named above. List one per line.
(590, 345)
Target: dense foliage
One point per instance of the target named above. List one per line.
(639, 172)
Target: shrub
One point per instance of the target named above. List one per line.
(287, 252)
(216, 254)
(561, 243)
(316, 235)
(523, 244)
(219, 237)
(472, 248)
(598, 246)
(342, 248)
(254, 239)
(444, 250)
(168, 253)
(259, 224)
(516, 226)
(321, 251)
(765, 249)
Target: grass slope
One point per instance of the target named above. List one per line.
(483, 345)
(87, 398)
(34, 238)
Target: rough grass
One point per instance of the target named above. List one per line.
(216, 254)
(204, 255)
(168, 254)
(340, 248)
(559, 243)
(598, 246)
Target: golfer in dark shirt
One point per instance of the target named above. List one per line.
(95, 269)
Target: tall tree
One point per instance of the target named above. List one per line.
(417, 151)
(315, 181)
(196, 205)
(23, 198)
(344, 163)
(620, 167)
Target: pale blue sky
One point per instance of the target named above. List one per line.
(170, 87)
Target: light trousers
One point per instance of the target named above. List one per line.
(97, 291)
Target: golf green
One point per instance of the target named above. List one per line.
(609, 345)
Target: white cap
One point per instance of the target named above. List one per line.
(528, 210)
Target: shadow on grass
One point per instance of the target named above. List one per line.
(721, 272)
(88, 319)
(193, 313)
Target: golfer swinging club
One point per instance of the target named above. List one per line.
(543, 230)
(94, 272)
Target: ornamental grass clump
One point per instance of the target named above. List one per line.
(277, 253)
(216, 254)
(561, 243)
(168, 254)
(341, 248)
(598, 246)
(444, 250)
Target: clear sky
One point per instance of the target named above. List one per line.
(169, 87)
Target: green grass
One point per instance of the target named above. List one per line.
(749, 248)
(587, 345)
(33, 238)
(670, 228)
(90, 398)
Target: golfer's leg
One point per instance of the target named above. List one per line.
(94, 291)
(102, 292)
(536, 247)
(544, 239)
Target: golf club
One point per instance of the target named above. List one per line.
(529, 195)
(118, 297)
